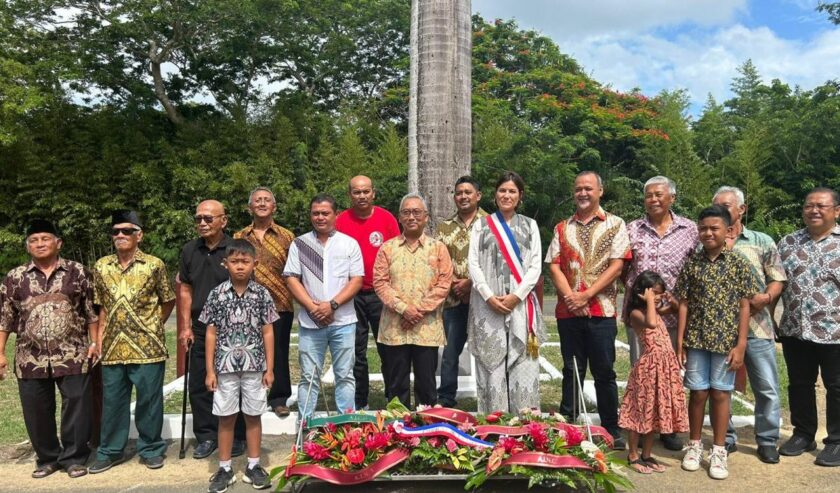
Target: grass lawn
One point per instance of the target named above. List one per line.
(12, 429)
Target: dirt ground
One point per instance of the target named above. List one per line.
(747, 474)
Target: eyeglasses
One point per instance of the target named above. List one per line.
(418, 213)
(207, 219)
(817, 207)
(123, 231)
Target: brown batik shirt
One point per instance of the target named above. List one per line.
(50, 317)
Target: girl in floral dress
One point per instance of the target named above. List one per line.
(654, 400)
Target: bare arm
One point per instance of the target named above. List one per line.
(268, 342)
(682, 321)
(210, 359)
(4, 336)
(184, 315)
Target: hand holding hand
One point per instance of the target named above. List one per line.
(495, 304)
(576, 301)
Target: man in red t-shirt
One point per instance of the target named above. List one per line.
(370, 226)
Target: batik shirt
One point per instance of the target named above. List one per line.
(271, 254)
(664, 255)
(584, 251)
(812, 297)
(133, 300)
(239, 321)
(50, 317)
(713, 290)
(766, 265)
(456, 236)
(420, 278)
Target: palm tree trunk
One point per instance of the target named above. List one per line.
(440, 126)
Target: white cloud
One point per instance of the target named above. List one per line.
(568, 19)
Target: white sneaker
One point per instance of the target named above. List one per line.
(718, 468)
(693, 456)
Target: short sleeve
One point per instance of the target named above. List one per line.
(88, 311)
(553, 247)
(162, 287)
(749, 284)
(620, 248)
(772, 263)
(98, 286)
(8, 313)
(184, 274)
(357, 265)
(269, 311)
(209, 312)
(292, 267)
(681, 288)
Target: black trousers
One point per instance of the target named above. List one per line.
(396, 370)
(205, 424)
(368, 311)
(804, 360)
(281, 389)
(37, 398)
(590, 341)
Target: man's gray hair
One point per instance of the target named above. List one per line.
(414, 196)
(261, 189)
(737, 192)
(662, 180)
(596, 175)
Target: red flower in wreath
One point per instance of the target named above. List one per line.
(574, 436)
(315, 450)
(356, 456)
(376, 441)
(538, 435)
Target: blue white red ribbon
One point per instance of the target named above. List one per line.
(445, 430)
(513, 258)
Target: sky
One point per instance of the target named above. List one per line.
(695, 45)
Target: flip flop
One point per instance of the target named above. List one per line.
(45, 470)
(76, 471)
(653, 464)
(639, 466)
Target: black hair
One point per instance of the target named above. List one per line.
(647, 279)
(716, 211)
(324, 197)
(468, 179)
(835, 197)
(240, 246)
(514, 177)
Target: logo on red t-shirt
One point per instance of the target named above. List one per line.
(375, 239)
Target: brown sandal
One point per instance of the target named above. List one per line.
(639, 466)
(76, 471)
(45, 470)
(653, 464)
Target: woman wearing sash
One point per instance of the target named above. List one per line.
(505, 323)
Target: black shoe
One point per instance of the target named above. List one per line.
(829, 456)
(797, 445)
(619, 443)
(102, 465)
(671, 441)
(731, 447)
(238, 448)
(204, 449)
(155, 462)
(768, 454)
(257, 477)
(220, 481)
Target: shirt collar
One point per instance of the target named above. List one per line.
(228, 286)
(600, 214)
(139, 256)
(60, 265)
(222, 244)
(422, 240)
(250, 229)
(457, 219)
(676, 222)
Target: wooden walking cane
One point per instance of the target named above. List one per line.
(183, 450)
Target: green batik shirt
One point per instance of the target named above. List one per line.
(456, 236)
(713, 290)
(133, 300)
(766, 264)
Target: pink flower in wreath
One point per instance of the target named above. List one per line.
(332, 428)
(315, 450)
(574, 436)
(538, 435)
(451, 446)
(413, 442)
(376, 441)
(356, 456)
(434, 442)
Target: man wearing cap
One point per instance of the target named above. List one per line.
(135, 299)
(48, 303)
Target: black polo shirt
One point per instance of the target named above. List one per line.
(203, 269)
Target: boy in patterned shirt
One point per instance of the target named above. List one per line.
(713, 289)
(239, 314)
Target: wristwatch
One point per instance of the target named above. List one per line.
(333, 305)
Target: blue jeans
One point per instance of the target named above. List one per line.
(455, 324)
(312, 345)
(763, 373)
(590, 341)
(706, 370)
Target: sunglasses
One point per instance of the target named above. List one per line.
(124, 231)
(207, 219)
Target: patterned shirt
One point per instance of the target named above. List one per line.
(456, 236)
(664, 255)
(761, 252)
(324, 270)
(713, 290)
(812, 297)
(50, 317)
(271, 254)
(583, 252)
(132, 299)
(420, 278)
(239, 321)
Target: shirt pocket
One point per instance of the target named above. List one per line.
(340, 265)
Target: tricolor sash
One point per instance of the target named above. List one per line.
(513, 258)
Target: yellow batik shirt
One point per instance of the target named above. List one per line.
(133, 300)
